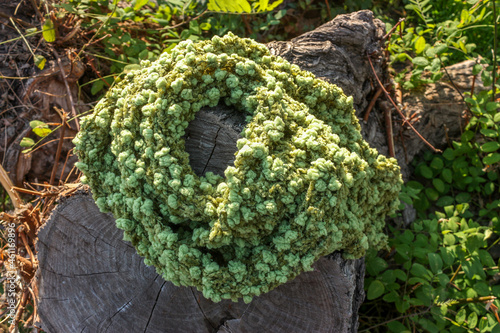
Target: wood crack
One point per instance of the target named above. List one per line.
(153, 309)
(213, 149)
(203, 312)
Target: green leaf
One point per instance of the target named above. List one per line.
(435, 262)
(420, 44)
(472, 320)
(26, 142)
(415, 280)
(489, 147)
(229, 6)
(430, 52)
(443, 279)
(403, 250)
(421, 252)
(391, 297)
(426, 172)
(463, 197)
(49, 31)
(447, 175)
(467, 136)
(445, 201)
(489, 132)
(263, 5)
(460, 317)
(491, 158)
(131, 67)
(483, 324)
(489, 188)
(388, 279)
(407, 236)
(139, 4)
(432, 194)
(482, 288)
(449, 154)
(449, 239)
(447, 255)
(40, 128)
(376, 265)
(428, 325)
(438, 185)
(375, 290)
(449, 210)
(40, 61)
(419, 271)
(400, 274)
(496, 117)
(486, 258)
(441, 48)
(420, 61)
(477, 69)
(397, 327)
(404, 197)
(38, 123)
(42, 132)
(402, 305)
(492, 106)
(143, 54)
(437, 163)
(464, 16)
(280, 14)
(205, 26)
(97, 86)
(114, 41)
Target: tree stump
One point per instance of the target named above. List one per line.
(90, 280)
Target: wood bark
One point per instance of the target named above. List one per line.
(90, 280)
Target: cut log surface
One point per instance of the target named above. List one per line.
(211, 137)
(91, 281)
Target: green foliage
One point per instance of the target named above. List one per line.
(40, 128)
(49, 32)
(241, 6)
(439, 274)
(436, 36)
(144, 29)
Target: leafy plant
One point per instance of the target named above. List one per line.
(242, 6)
(442, 38)
(438, 275)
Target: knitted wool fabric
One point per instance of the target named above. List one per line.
(303, 184)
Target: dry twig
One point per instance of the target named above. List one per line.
(68, 90)
(397, 109)
(372, 104)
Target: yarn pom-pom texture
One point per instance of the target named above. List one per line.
(303, 184)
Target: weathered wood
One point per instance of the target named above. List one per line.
(90, 280)
(211, 138)
(336, 52)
